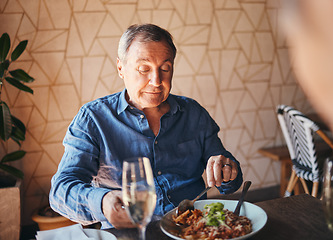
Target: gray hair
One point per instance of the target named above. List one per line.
(146, 33)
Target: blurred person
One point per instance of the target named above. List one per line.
(309, 32)
(144, 120)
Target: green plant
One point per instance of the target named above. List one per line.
(10, 126)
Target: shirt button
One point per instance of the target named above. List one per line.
(156, 142)
(142, 116)
(159, 172)
(169, 196)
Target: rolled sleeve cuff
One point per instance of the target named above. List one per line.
(95, 203)
(232, 186)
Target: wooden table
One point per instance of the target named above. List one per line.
(296, 217)
(153, 232)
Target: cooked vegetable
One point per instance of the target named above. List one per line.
(214, 214)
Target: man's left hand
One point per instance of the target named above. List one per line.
(220, 169)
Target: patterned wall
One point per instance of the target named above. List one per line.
(232, 59)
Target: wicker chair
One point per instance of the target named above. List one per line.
(298, 131)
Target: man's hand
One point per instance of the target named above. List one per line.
(220, 168)
(114, 212)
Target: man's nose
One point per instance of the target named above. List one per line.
(155, 78)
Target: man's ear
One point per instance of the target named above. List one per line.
(120, 68)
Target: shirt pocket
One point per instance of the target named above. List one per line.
(188, 157)
(189, 148)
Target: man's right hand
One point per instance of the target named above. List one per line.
(114, 212)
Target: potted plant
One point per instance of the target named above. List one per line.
(12, 132)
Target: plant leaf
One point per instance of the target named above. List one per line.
(18, 123)
(13, 156)
(4, 46)
(6, 64)
(5, 121)
(17, 135)
(21, 75)
(12, 170)
(18, 130)
(19, 85)
(2, 69)
(16, 140)
(19, 50)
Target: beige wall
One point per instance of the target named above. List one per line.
(231, 57)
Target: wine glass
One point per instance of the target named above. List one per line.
(138, 191)
(328, 192)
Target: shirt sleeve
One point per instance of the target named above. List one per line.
(72, 193)
(213, 147)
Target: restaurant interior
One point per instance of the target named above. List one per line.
(232, 58)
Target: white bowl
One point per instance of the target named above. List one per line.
(256, 214)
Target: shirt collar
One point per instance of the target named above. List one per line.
(174, 105)
(123, 104)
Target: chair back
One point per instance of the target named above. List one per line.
(298, 131)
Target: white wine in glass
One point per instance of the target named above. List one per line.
(328, 192)
(139, 195)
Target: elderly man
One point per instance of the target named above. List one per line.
(175, 133)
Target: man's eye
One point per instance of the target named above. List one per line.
(165, 68)
(143, 69)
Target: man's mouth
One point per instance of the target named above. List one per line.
(154, 92)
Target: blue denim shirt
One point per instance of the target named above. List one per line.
(108, 130)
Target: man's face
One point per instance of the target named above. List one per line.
(147, 73)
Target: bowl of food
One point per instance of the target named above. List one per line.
(214, 218)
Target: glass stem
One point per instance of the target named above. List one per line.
(142, 232)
